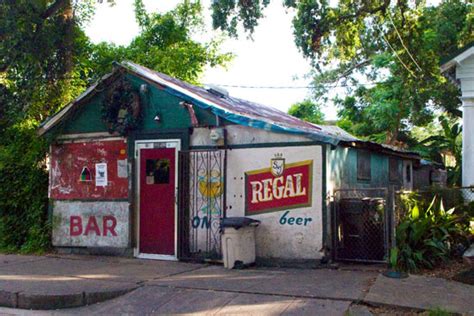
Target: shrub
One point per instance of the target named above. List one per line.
(23, 191)
(429, 236)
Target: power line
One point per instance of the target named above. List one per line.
(395, 52)
(262, 87)
(327, 85)
(401, 40)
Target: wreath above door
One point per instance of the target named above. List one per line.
(121, 111)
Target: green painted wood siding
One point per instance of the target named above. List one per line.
(88, 118)
(342, 169)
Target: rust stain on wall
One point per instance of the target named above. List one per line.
(68, 160)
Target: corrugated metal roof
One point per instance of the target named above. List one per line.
(237, 110)
(233, 109)
(338, 132)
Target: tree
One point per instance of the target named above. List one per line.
(165, 44)
(46, 60)
(41, 51)
(307, 111)
(444, 145)
(396, 48)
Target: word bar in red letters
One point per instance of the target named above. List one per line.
(90, 226)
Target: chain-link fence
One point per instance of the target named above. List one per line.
(361, 224)
(364, 221)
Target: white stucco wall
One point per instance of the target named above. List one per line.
(238, 135)
(274, 239)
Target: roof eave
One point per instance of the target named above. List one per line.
(217, 109)
(458, 59)
(52, 121)
(381, 149)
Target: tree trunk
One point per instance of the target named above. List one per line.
(392, 136)
(68, 46)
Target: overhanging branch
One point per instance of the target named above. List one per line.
(52, 9)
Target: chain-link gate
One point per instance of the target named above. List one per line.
(202, 203)
(361, 224)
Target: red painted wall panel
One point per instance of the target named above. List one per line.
(68, 161)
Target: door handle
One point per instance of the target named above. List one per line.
(176, 197)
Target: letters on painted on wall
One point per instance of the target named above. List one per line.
(280, 186)
(91, 223)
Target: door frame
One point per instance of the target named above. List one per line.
(144, 144)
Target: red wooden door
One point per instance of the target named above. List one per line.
(157, 201)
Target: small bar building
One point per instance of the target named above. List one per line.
(145, 165)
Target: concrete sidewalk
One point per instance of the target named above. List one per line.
(147, 287)
(51, 282)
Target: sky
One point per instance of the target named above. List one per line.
(270, 59)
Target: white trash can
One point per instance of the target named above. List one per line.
(238, 241)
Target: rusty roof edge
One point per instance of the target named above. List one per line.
(256, 122)
(311, 131)
(319, 132)
(381, 148)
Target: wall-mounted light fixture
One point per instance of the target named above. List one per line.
(144, 88)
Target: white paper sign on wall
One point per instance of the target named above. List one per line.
(122, 170)
(101, 174)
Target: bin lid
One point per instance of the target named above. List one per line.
(238, 222)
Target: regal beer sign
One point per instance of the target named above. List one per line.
(281, 186)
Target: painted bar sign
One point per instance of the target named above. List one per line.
(91, 224)
(281, 186)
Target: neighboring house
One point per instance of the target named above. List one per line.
(144, 164)
(428, 174)
(461, 69)
(358, 164)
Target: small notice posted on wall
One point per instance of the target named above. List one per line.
(101, 174)
(122, 171)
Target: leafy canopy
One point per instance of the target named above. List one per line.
(165, 44)
(308, 111)
(387, 55)
(46, 60)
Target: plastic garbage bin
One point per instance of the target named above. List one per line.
(238, 241)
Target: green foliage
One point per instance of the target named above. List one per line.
(227, 14)
(393, 258)
(41, 57)
(165, 44)
(440, 312)
(23, 188)
(40, 48)
(447, 144)
(46, 60)
(387, 56)
(307, 111)
(429, 236)
(405, 66)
